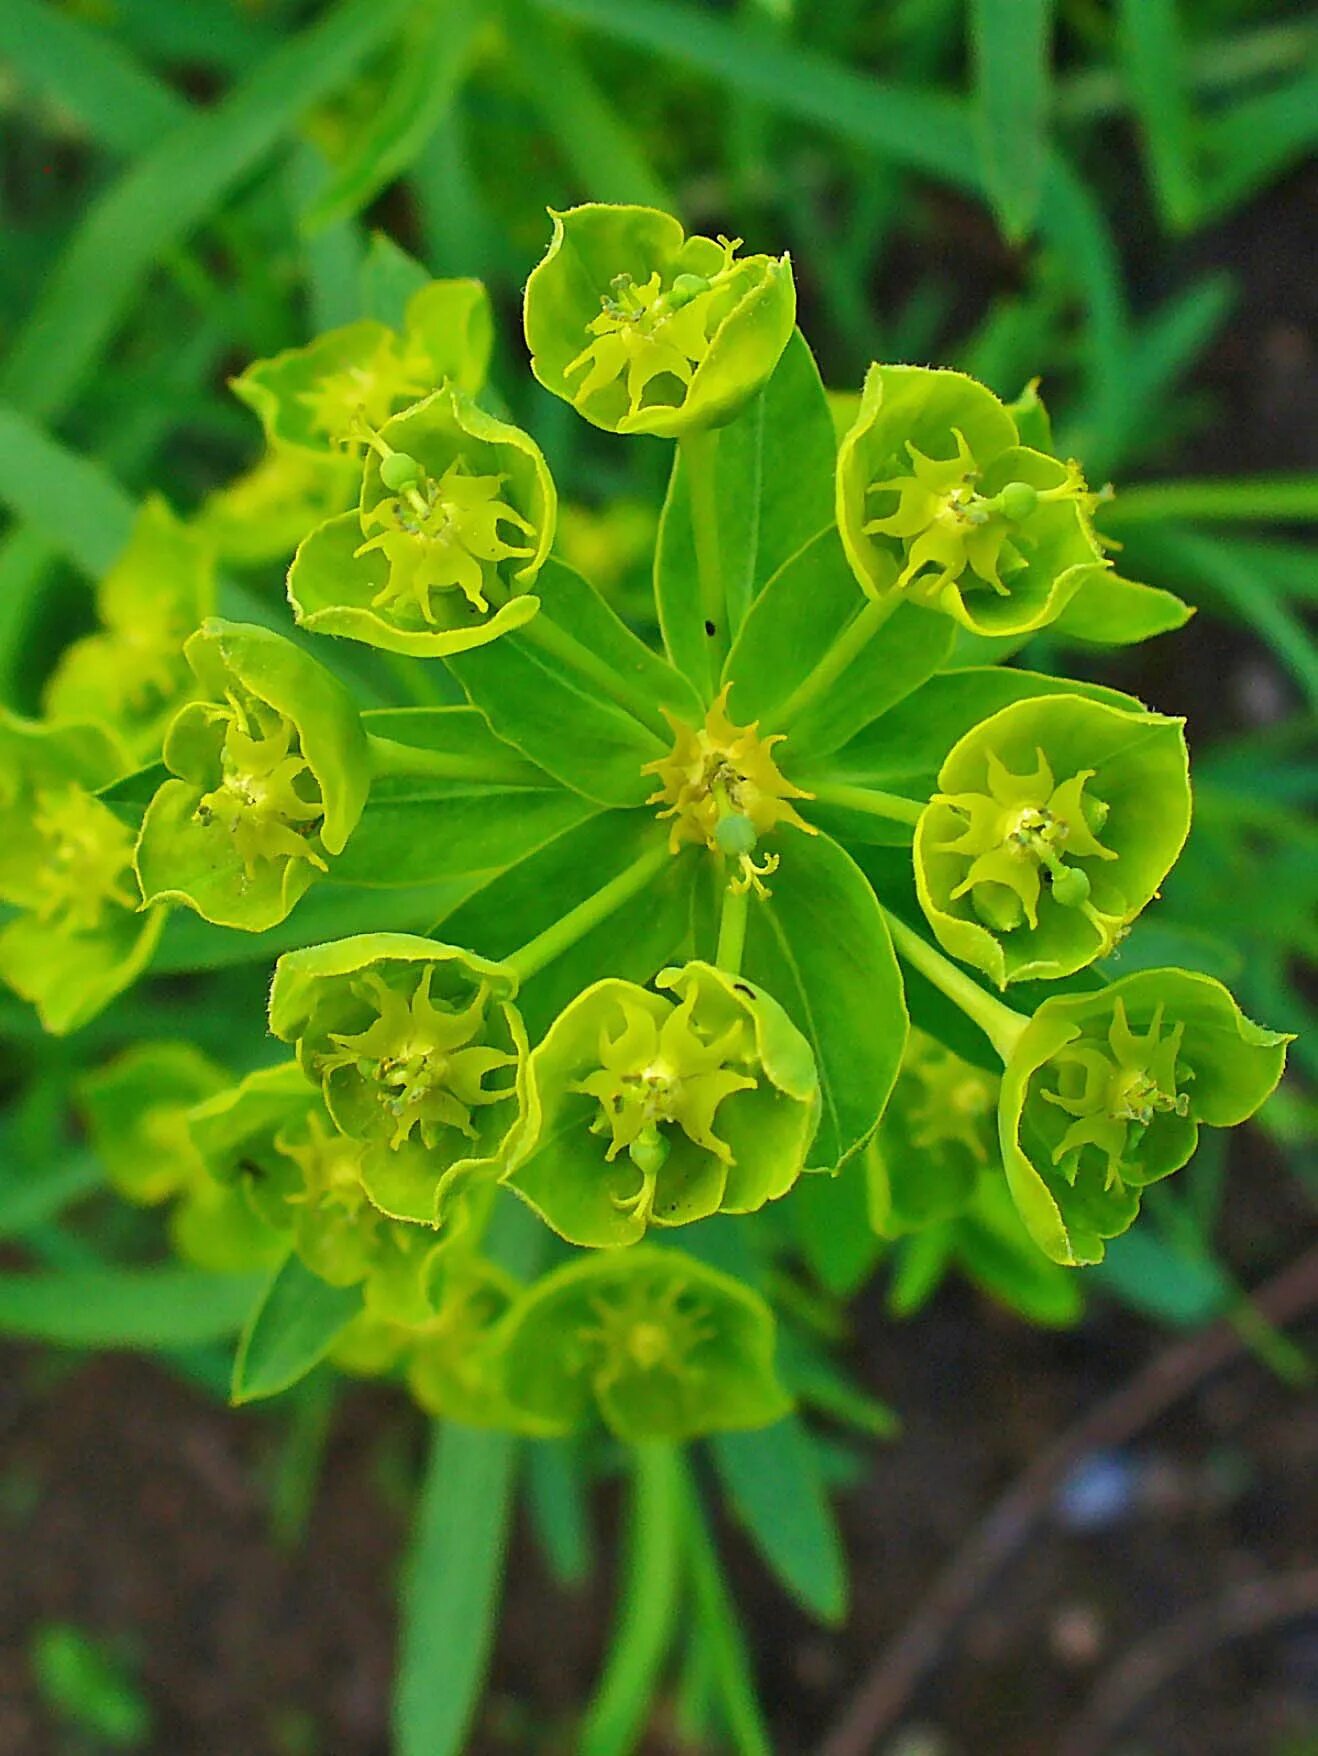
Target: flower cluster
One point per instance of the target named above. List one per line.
(598, 930)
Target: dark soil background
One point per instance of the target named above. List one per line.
(134, 1507)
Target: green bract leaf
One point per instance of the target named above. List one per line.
(456, 510)
(820, 944)
(325, 396)
(1111, 611)
(645, 330)
(938, 498)
(1104, 1093)
(131, 673)
(402, 1033)
(642, 1110)
(807, 606)
(935, 1137)
(578, 693)
(273, 774)
(661, 1345)
(1054, 824)
(137, 1115)
(773, 489)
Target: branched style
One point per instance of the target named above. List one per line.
(593, 925)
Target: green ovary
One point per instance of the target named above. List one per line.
(86, 861)
(645, 331)
(262, 799)
(953, 535)
(330, 1164)
(443, 535)
(644, 1325)
(346, 404)
(654, 1076)
(1023, 827)
(427, 1071)
(1114, 1092)
(954, 1104)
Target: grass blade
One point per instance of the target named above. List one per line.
(1011, 43)
(720, 1635)
(927, 132)
(1257, 140)
(74, 503)
(428, 76)
(168, 192)
(450, 1595)
(123, 107)
(1289, 499)
(1153, 60)
(125, 1307)
(606, 161)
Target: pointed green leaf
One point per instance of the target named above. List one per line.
(292, 1328)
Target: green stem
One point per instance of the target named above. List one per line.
(389, 757)
(555, 643)
(868, 800)
(1002, 1025)
(578, 921)
(848, 646)
(699, 451)
(732, 929)
(648, 1614)
(718, 1634)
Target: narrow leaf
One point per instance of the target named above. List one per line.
(291, 1329)
(773, 1483)
(128, 1307)
(1153, 60)
(450, 1595)
(1011, 43)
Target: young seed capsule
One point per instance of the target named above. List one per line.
(399, 471)
(1070, 886)
(735, 835)
(649, 1152)
(1019, 501)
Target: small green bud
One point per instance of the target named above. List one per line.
(1096, 811)
(649, 1152)
(399, 471)
(1070, 886)
(1019, 501)
(735, 835)
(685, 288)
(998, 907)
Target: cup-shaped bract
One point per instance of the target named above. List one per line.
(656, 1343)
(1105, 1093)
(136, 1107)
(66, 864)
(331, 394)
(131, 674)
(270, 1140)
(272, 771)
(452, 1366)
(420, 1054)
(644, 1110)
(644, 330)
(936, 1137)
(938, 499)
(1054, 823)
(456, 519)
(263, 514)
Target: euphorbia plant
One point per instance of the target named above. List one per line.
(588, 952)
